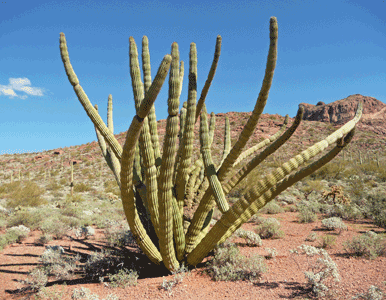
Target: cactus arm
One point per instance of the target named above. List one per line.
(127, 161)
(212, 127)
(227, 141)
(180, 138)
(181, 76)
(146, 68)
(278, 142)
(114, 162)
(145, 143)
(206, 203)
(247, 207)
(273, 181)
(209, 80)
(101, 141)
(83, 99)
(188, 136)
(165, 181)
(208, 162)
(260, 103)
(260, 145)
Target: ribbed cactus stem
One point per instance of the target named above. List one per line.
(209, 80)
(72, 178)
(208, 162)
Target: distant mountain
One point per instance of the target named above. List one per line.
(342, 111)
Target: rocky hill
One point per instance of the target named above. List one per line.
(341, 111)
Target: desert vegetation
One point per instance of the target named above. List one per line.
(72, 196)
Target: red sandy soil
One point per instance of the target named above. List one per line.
(284, 280)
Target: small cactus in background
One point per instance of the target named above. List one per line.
(168, 199)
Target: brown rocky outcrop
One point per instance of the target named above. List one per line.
(342, 111)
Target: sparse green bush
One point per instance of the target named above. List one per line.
(270, 228)
(123, 278)
(53, 185)
(272, 208)
(306, 215)
(369, 245)
(26, 194)
(229, 265)
(54, 227)
(81, 187)
(29, 218)
(377, 208)
(327, 241)
(74, 198)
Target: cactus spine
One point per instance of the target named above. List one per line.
(169, 200)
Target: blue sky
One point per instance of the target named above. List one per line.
(327, 50)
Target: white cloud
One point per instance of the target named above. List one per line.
(22, 85)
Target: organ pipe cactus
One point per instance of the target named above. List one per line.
(168, 199)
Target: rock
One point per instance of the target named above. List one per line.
(342, 111)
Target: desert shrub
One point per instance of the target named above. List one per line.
(327, 241)
(272, 208)
(312, 185)
(111, 186)
(123, 278)
(118, 237)
(85, 294)
(272, 253)
(346, 212)
(55, 228)
(312, 237)
(229, 265)
(36, 280)
(178, 277)
(29, 218)
(56, 263)
(53, 185)
(270, 228)
(7, 188)
(322, 273)
(75, 198)
(81, 187)
(99, 264)
(15, 234)
(43, 239)
(333, 171)
(377, 209)
(64, 181)
(373, 293)
(369, 245)
(26, 194)
(251, 238)
(334, 223)
(306, 215)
